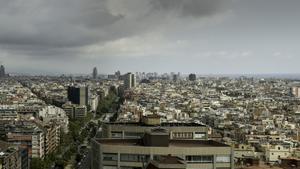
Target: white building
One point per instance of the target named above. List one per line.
(38, 150)
(295, 90)
(244, 150)
(276, 152)
(94, 101)
(50, 113)
(129, 80)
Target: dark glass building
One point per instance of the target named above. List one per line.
(192, 77)
(78, 95)
(2, 71)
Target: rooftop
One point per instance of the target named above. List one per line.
(161, 124)
(172, 143)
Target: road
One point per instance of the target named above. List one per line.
(85, 162)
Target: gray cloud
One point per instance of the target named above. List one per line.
(56, 23)
(68, 23)
(117, 33)
(194, 8)
(61, 28)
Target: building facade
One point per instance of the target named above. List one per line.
(2, 71)
(9, 157)
(52, 137)
(192, 77)
(274, 153)
(95, 73)
(75, 111)
(129, 80)
(180, 131)
(33, 141)
(78, 95)
(137, 153)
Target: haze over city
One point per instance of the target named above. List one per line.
(205, 37)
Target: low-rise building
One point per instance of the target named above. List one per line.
(180, 131)
(244, 150)
(274, 153)
(136, 153)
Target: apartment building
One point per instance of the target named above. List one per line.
(274, 153)
(75, 111)
(244, 150)
(12, 157)
(28, 137)
(52, 132)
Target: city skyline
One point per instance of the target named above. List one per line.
(198, 36)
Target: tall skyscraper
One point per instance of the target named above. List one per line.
(175, 77)
(118, 74)
(129, 80)
(78, 95)
(95, 73)
(192, 77)
(2, 71)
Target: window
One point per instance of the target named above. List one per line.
(200, 135)
(223, 159)
(182, 135)
(133, 135)
(116, 134)
(199, 159)
(110, 157)
(157, 157)
(133, 158)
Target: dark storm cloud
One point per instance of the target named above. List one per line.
(194, 8)
(53, 29)
(205, 32)
(68, 23)
(55, 23)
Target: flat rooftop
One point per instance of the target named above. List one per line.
(172, 143)
(161, 124)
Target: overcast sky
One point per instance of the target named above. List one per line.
(201, 36)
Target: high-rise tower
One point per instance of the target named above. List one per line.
(192, 77)
(129, 80)
(2, 71)
(78, 95)
(95, 73)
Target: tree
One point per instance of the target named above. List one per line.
(108, 103)
(37, 163)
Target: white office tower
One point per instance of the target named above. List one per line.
(129, 80)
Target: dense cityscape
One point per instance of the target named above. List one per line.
(149, 84)
(148, 120)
